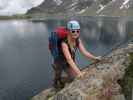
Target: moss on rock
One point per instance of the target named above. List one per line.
(127, 81)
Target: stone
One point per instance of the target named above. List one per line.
(99, 82)
(118, 97)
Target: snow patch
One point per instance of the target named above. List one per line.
(58, 2)
(82, 11)
(125, 4)
(101, 8)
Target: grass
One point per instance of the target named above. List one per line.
(127, 82)
(15, 17)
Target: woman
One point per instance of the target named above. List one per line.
(68, 47)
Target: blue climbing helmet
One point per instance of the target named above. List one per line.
(73, 25)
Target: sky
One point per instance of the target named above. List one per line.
(11, 7)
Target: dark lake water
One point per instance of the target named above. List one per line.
(25, 62)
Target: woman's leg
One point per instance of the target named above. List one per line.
(58, 75)
(70, 74)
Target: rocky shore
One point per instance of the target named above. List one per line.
(110, 79)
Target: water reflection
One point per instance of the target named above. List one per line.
(24, 59)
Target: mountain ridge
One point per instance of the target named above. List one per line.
(85, 7)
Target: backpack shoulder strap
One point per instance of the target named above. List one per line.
(77, 42)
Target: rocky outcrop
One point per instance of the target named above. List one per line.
(100, 81)
(61, 6)
(84, 7)
(68, 7)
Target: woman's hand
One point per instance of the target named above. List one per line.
(98, 58)
(81, 74)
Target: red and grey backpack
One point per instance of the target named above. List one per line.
(55, 38)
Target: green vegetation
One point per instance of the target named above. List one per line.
(104, 2)
(15, 17)
(127, 82)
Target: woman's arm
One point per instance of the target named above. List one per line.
(69, 59)
(85, 52)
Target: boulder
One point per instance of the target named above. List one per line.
(100, 81)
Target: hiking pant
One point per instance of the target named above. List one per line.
(59, 67)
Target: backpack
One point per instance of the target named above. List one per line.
(55, 38)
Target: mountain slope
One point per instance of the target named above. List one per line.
(118, 8)
(85, 7)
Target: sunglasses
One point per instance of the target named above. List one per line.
(73, 31)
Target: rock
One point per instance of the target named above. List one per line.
(83, 7)
(118, 97)
(45, 95)
(100, 80)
